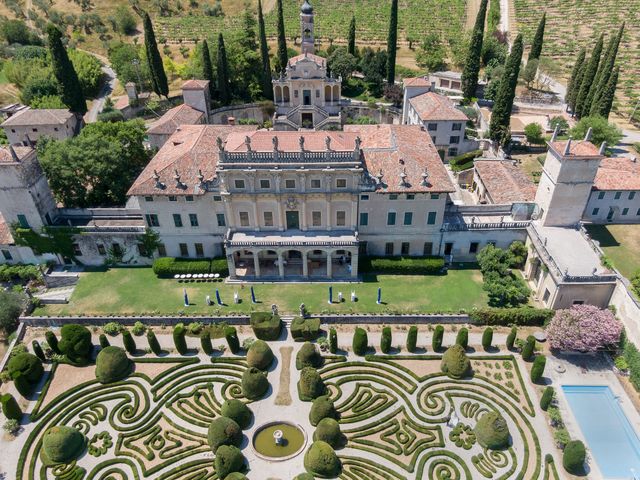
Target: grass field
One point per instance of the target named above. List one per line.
(621, 243)
(137, 290)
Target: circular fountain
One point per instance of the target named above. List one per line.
(278, 441)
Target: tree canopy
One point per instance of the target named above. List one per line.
(392, 43)
(11, 305)
(156, 68)
(584, 328)
(601, 130)
(472, 63)
(342, 63)
(65, 73)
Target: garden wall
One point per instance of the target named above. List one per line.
(54, 321)
(393, 319)
(247, 111)
(389, 115)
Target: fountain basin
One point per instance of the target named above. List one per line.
(291, 443)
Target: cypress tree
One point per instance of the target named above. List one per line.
(392, 43)
(156, 68)
(37, 350)
(283, 57)
(129, 342)
(205, 342)
(352, 36)
(179, 339)
(511, 338)
(154, 345)
(64, 72)
(605, 71)
(52, 340)
(605, 101)
(501, 114)
(412, 338)
(267, 87)
(333, 340)
(10, 407)
(223, 72)
(104, 341)
(472, 64)
(587, 80)
(207, 68)
(573, 86)
(538, 39)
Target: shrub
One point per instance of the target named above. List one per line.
(26, 365)
(328, 430)
(112, 365)
(231, 335)
(308, 356)
(385, 340)
(492, 431)
(235, 476)
(402, 265)
(436, 340)
(52, 340)
(537, 370)
(223, 431)
(412, 338)
(305, 328)
(112, 328)
(487, 338)
(574, 456)
(61, 444)
(360, 341)
(260, 355)
(455, 362)
(511, 338)
(254, 384)
(547, 398)
(104, 341)
(310, 385)
(179, 339)
(138, 328)
(37, 350)
(154, 345)
(10, 407)
(333, 340)
(75, 343)
(464, 161)
(321, 460)
(167, 267)
(527, 350)
(228, 459)
(584, 328)
(205, 342)
(265, 325)
(237, 411)
(462, 338)
(322, 407)
(129, 342)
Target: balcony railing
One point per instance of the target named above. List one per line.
(463, 227)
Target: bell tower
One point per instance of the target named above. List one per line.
(306, 27)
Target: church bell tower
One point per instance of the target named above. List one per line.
(306, 25)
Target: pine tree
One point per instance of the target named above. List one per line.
(267, 87)
(207, 68)
(156, 68)
(352, 36)
(536, 46)
(64, 72)
(573, 86)
(501, 113)
(392, 43)
(223, 73)
(472, 63)
(587, 80)
(604, 72)
(283, 57)
(605, 101)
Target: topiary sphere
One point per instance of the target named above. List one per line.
(254, 383)
(321, 460)
(328, 430)
(224, 431)
(75, 342)
(228, 459)
(112, 364)
(322, 407)
(310, 385)
(492, 431)
(62, 444)
(455, 362)
(260, 355)
(237, 411)
(235, 476)
(27, 365)
(304, 476)
(574, 456)
(308, 356)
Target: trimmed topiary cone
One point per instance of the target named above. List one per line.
(10, 407)
(321, 460)
(61, 444)
(260, 355)
(308, 356)
(492, 431)
(328, 430)
(412, 338)
(254, 383)
(237, 411)
(455, 362)
(322, 407)
(310, 385)
(436, 339)
(223, 431)
(360, 341)
(112, 365)
(154, 345)
(228, 459)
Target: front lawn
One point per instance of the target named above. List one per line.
(621, 244)
(138, 291)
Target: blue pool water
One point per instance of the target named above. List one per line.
(611, 439)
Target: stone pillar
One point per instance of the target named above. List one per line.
(329, 265)
(354, 264)
(329, 219)
(231, 263)
(303, 214)
(255, 216)
(280, 265)
(256, 263)
(305, 264)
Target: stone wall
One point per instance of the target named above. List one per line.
(248, 111)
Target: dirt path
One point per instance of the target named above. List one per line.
(284, 394)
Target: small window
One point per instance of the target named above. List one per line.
(625, 211)
(391, 218)
(632, 195)
(393, 196)
(316, 219)
(595, 211)
(601, 195)
(404, 248)
(432, 127)
(268, 219)
(388, 248)
(101, 249)
(456, 127)
(34, 129)
(152, 220)
(189, 198)
(289, 183)
(341, 218)
(244, 219)
(221, 221)
(315, 183)
(435, 196)
(473, 247)
(265, 184)
(7, 255)
(148, 199)
(184, 250)
(427, 249)
(617, 196)
(341, 183)
(239, 184)
(578, 302)
(217, 198)
(431, 218)
(364, 197)
(364, 219)
(22, 220)
(454, 139)
(162, 250)
(193, 219)
(177, 220)
(547, 294)
(408, 218)
(173, 198)
(410, 196)
(199, 250)
(452, 152)
(76, 250)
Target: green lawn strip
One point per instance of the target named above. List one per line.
(621, 244)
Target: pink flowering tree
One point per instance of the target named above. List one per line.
(584, 328)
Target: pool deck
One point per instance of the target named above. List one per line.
(588, 370)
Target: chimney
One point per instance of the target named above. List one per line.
(231, 121)
(603, 148)
(555, 133)
(587, 137)
(567, 148)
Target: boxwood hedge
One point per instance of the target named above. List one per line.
(266, 325)
(166, 267)
(305, 328)
(430, 265)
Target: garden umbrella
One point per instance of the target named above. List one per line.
(379, 301)
(253, 296)
(218, 297)
(330, 294)
(186, 297)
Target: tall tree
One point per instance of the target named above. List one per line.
(605, 71)
(283, 57)
(352, 36)
(538, 39)
(501, 113)
(207, 68)
(267, 87)
(158, 76)
(574, 82)
(587, 80)
(472, 63)
(604, 102)
(392, 43)
(65, 73)
(223, 73)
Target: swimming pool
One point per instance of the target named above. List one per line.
(613, 442)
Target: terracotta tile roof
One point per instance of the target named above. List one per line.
(394, 149)
(320, 61)
(30, 116)
(416, 82)
(262, 141)
(579, 148)
(188, 150)
(20, 151)
(5, 232)
(617, 173)
(432, 106)
(172, 119)
(195, 84)
(505, 182)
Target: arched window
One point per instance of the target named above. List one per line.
(336, 93)
(278, 93)
(327, 94)
(285, 94)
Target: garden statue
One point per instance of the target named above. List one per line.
(236, 298)
(208, 300)
(274, 309)
(353, 296)
(303, 310)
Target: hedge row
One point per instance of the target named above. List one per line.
(464, 161)
(430, 265)
(265, 325)
(525, 316)
(305, 328)
(167, 267)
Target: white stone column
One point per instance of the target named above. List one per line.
(329, 265)
(329, 219)
(256, 263)
(280, 265)
(305, 264)
(256, 225)
(303, 213)
(354, 264)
